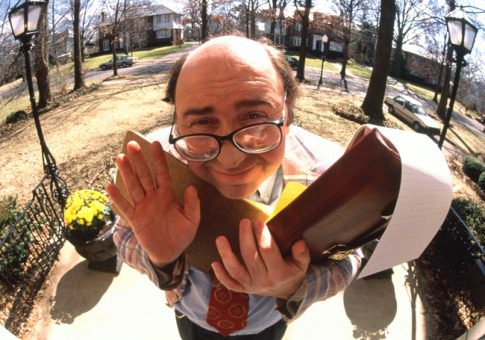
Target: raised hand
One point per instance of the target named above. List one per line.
(264, 271)
(162, 227)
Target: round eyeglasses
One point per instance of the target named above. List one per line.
(253, 139)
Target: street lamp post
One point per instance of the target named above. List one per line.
(462, 35)
(324, 42)
(24, 19)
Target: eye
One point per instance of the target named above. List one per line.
(256, 115)
(201, 122)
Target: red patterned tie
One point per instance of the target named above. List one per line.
(228, 310)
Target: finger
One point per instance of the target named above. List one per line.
(118, 201)
(129, 178)
(139, 164)
(221, 274)
(162, 176)
(267, 247)
(231, 263)
(249, 249)
(192, 205)
(301, 254)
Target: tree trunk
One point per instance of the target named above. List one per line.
(78, 76)
(113, 53)
(445, 91)
(300, 73)
(253, 20)
(273, 20)
(372, 104)
(397, 64)
(203, 17)
(440, 73)
(42, 63)
(343, 73)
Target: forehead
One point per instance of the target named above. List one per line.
(225, 70)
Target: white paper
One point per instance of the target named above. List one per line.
(424, 200)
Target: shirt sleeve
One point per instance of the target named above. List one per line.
(131, 252)
(321, 282)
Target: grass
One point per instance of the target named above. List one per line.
(153, 53)
(316, 62)
(421, 91)
(64, 71)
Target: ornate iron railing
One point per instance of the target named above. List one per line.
(28, 251)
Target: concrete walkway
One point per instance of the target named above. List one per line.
(83, 304)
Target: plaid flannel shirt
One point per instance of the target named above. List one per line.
(306, 157)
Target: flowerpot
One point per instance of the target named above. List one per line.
(100, 252)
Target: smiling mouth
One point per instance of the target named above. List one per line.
(233, 174)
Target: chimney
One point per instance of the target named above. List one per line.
(103, 16)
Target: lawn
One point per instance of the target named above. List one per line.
(60, 75)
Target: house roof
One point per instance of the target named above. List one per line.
(159, 9)
(417, 50)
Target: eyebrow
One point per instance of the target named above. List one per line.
(239, 105)
(252, 102)
(198, 112)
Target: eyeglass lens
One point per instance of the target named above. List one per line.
(253, 139)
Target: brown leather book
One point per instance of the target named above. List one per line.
(344, 208)
(348, 205)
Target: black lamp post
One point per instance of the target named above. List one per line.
(324, 51)
(24, 19)
(462, 35)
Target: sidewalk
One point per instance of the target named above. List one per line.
(83, 304)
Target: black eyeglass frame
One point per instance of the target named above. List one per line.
(277, 122)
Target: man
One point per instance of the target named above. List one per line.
(234, 101)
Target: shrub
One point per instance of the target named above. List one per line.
(355, 114)
(473, 168)
(474, 216)
(481, 181)
(14, 243)
(16, 117)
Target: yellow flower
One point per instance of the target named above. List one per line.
(85, 210)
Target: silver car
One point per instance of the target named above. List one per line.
(413, 113)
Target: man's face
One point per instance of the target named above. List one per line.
(222, 89)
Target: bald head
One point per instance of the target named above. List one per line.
(220, 55)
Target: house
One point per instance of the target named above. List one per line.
(420, 66)
(320, 25)
(146, 26)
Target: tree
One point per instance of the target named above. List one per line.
(78, 76)
(41, 55)
(88, 23)
(277, 6)
(372, 104)
(348, 11)
(305, 22)
(412, 20)
(251, 9)
(203, 20)
(114, 29)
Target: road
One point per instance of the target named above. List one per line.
(358, 86)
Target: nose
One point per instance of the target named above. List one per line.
(230, 157)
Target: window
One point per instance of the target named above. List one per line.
(105, 45)
(162, 18)
(296, 41)
(163, 34)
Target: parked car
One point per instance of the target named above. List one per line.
(413, 113)
(292, 61)
(121, 61)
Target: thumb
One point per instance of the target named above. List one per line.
(301, 254)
